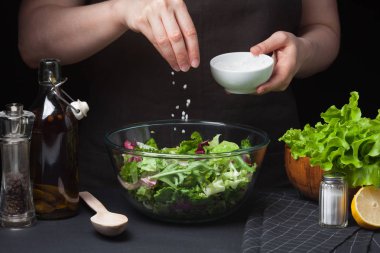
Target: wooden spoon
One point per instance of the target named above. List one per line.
(105, 222)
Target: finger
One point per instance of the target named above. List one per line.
(149, 35)
(190, 34)
(274, 42)
(277, 82)
(266, 87)
(147, 31)
(162, 41)
(176, 39)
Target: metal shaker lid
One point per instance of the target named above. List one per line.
(334, 176)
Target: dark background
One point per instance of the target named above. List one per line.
(355, 68)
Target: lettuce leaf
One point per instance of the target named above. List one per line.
(189, 187)
(345, 141)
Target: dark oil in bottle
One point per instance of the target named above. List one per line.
(54, 168)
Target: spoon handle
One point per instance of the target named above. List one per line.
(92, 202)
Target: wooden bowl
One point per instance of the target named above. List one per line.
(305, 178)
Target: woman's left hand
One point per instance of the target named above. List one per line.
(288, 56)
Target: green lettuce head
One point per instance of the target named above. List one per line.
(345, 142)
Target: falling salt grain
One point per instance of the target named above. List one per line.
(152, 132)
(183, 131)
(172, 73)
(184, 86)
(172, 115)
(175, 129)
(173, 82)
(177, 107)
(183, 113)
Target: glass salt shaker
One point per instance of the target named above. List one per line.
(333, 195)
(16, 199)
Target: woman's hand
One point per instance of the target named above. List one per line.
(315, 48)
(289, 54)
(167, 25)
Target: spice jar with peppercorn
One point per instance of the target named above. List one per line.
(16, 200)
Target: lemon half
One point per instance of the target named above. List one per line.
(365, 207)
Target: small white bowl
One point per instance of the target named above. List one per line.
(241, 72)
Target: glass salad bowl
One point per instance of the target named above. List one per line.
(186, 171)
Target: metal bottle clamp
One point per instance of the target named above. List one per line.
(56, 85)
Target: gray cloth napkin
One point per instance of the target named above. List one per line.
(282, 221)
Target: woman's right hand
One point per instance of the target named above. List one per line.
(167, 25)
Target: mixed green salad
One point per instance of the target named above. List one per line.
(191, 188)
(344, 142)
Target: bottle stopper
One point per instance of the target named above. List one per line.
(79, 109)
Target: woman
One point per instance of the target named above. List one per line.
(128, 81)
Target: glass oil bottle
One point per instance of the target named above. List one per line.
(54, 167)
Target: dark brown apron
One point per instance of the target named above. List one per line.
(130, 82)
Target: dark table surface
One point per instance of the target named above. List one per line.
(142, 234)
